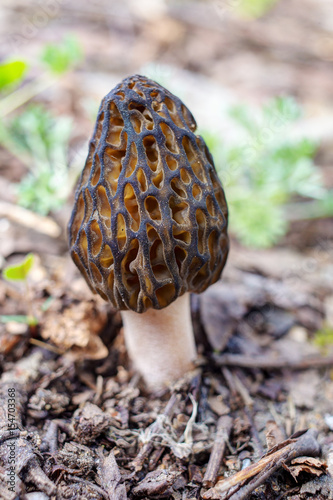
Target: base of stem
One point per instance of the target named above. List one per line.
(161, 343)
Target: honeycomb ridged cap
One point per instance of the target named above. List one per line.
(150, 216)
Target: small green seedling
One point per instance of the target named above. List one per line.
(324, 337)
(19, 272)
(253, 8)
(19, 318)
(12, 74)
(39, 139)
(59, 58)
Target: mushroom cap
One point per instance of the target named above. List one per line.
(150, 216)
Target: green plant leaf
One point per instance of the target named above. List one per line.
(41, 141)
(47, 303)
(11, 73)
(60, 57)
(254, 8)
(265, 170)
(257, 221)
(19, 272)
(18, 318)
(324, 337)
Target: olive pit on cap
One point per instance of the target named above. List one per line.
(150, 216)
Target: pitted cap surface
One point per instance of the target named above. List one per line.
(150, 217)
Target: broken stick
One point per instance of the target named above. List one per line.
(273, 363)
(224, 426)
(239, 486)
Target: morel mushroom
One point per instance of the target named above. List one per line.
(149, 224)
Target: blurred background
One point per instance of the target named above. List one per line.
(257, 75)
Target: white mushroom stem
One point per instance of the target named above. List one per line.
(161, 343)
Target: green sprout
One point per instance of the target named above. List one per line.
(324, 337)
(39, 139)
(19, 318)
(254, 8)
(59, 58)
(20, 272)
(12, 74)
(41, 142)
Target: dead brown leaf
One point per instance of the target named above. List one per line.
(310, 465)
(77, 328)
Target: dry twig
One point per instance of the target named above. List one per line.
(273, 363)
(238, 486)
(224, 426)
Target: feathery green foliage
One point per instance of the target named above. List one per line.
(265, 169)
